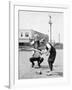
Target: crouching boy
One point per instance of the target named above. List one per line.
(36, 57)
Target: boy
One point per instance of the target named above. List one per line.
(36, 57)
(52, 51)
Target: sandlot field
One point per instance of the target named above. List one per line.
(25, 71)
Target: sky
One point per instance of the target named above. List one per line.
(39, 21)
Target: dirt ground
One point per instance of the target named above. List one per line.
(25, 71)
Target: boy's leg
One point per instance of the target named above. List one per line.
(51, 65)
(40, 61)
(50, 62)
(32, 64)
(32, 61)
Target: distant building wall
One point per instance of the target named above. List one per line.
(28, 34)
(24, 35)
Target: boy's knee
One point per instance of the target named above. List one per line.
(31, 59)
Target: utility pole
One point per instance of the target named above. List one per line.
(50, 22)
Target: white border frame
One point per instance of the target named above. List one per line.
(13, 21)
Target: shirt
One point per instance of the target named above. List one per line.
(36, 54)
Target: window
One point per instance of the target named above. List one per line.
(26, 34)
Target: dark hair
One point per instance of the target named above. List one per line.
(37, 43)
(39, 49)
(47, 48)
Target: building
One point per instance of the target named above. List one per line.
(27, 35)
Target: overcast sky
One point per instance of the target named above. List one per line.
(39, 21)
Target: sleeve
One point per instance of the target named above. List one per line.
(32, 42)
(48, 45)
